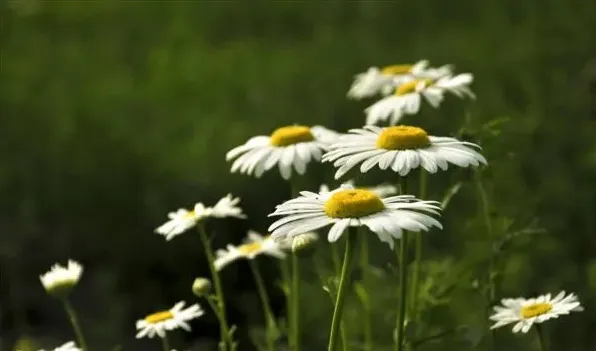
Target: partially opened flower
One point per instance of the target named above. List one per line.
(382, 190)
(69, 346)
(348, 206)
(183, 220)
(401, 148)
(160, 322)
(525, 312)
(407, 97)
(254, 246)
(382, 80)
(292, 146)
(60, 280)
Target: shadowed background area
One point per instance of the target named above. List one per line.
(114, 113)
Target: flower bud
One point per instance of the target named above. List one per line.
(304, 244)
(60, 280)
(201, 287)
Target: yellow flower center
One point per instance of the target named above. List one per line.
(159, 317)
(410, 87)
(353, 203)
(396, 69)
(250, 248)
(535, 310)
(189, 214)
(289, 135)
(403, 138)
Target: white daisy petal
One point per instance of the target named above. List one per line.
(161, 322)
(253, 246)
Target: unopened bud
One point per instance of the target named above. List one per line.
(201, 287)
(304, 244)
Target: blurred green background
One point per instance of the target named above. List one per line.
(113, 113)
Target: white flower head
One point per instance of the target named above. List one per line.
(254, 245)
(292, 146)
(401, 148)
(382, 190)
(183, 220)
(348, 206)
(525, 312)
(383, 80)
(69, 346)
(60, 280)
(160, 322)
(408, 97)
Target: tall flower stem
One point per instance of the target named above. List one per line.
(269, 318)
(223, 325)
(341, 290)
(287, 281)
(165, 345)
(368, 341)
(540, 334)
(417, 255)
(296, 301)
(403, 292)
(485, 208)
(228, 336)
(76, 326)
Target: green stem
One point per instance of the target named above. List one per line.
(221, 319)
(485, 207)
(541, 340)
(269, 318)
(223, 325)
(296, 301)
(76, 326)
(368, 341)
(403, 292)
(286, 277)
(344, 336)
(417, 255)
(165, 345)
(341, 291)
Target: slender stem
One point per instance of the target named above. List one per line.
(223, 325)
(270, 320)
(541, 340)
(286, 277)
(368, 341)
(76, 326)
(221, 319)
(165, 345)
(417, 255)
(341, 290)
(344, 336)
(296, 301)
(403, 292)
(485, 207)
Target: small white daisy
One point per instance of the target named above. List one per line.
(286, 147)
(69, 346)
(525, 312)
(401, 148)
(383, 80)
(183, 220)
(254, 245)
(160, 322)
(60, 280)
(348, 206)
(408, 97)
(382, 190)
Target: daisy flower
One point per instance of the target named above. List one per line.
(401, 148)
(254, 245)
(407, 97)
(60, 280)
(183, 219)
(69, 346)
(382, 80)
(525, 312)
(348, 206)
(292, 146)
(160, 322)
(381, 190)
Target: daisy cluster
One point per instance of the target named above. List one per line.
(383, 209)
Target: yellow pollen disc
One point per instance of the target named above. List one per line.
(190, 214)
(353, 203)
(397, 69)
(536, 310)
(410, 87)
(159, 317)
(250, 248)
(403, 138)
(289, 135)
